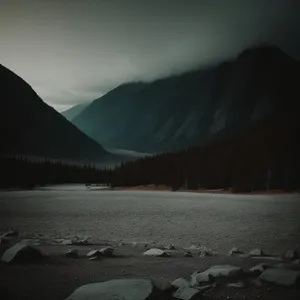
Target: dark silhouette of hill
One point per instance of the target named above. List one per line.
(29, 126)
(74, 111)
(195, 108)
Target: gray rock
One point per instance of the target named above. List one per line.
(256, 252)
(83, 242)
(155, 252)
(73, 253)
(205, 253)
(187, 293)
(67, 242)
(188, 254)
(291, 254)
(180, 282)
(94, 253)
(9, 234)
(170, 247)
(281, 276)
(121, 289)
(274, 258)
(257, 282)
(107, 252)
(204, 288)
(259, 268)
(223, 270)
(234, 251)
(297, 262)
(200, 278)
(21, 253)
(237, 285)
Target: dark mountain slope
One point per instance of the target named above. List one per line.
(196, 107)
(74, 111)
(29, 126)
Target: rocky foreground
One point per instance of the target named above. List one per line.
(77, 269)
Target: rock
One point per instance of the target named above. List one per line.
(83, 242)
(223, 270)
(21, 253)
(204, 288)
(188, 254)
(205, 253)
(121, 244)
(187, 293)
(180, 282)
(237, 285)
(291, 254)
(257, 282)
(155, 252)
(259, 268)
(107, 252)
(94, 254)
(281, 277)
(134, 244)
(73, 253)
(121, 289)
(234, 251)
(170, 247)
(10, 233)
(198, 278)
(297, 262)
(67, 242)
(256, 252)
(274, 258)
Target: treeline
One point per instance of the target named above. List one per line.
(266, 157)
(24, 172)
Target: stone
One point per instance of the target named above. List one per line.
(274, 258)
(297, 262)
(155, 252)
(73, 253)
(256, 252)
(83, 242)
(198, 278)
(223, 270)
(234, 251)
(94, 253)
(259, 268)
(187, 293)
(204, 288)
(180, 282)
(170, 247)
(120, 289)
(188, 254)
(257, 282)
(10, 233)
(237, 285)
(281, 277)
(107, 252)
(134, 244)
(21, 252)
(66, 242)
(291, 254)
(205, 253)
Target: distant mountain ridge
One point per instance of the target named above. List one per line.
(196, 107)
(74, 111)
(29, 126)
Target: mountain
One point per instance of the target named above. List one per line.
(195, 108)
(265, 156)
(74, 111)
(29, 126)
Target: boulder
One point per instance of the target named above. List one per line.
(121, 289)
(94, 254)
(204, 253)
(200, 278)
(256, 252)
(155, 252)
(234, 251)
(21, 252)
(73, 253)
(188, 254)
(281, 277)
(204, 288)
(180, 282)
(259, 268)
(66, 242)
(83, 242)
(187, 293)
(223, 270)
(9, 234)
(288, 266)
(107, 252)
(237, 285)
(170, 247)
(291, 254)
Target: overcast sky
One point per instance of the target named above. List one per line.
(73, 51)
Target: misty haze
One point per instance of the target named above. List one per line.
(149, 150)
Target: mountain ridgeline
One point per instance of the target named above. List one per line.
(74, 111)
(195, 108)
(28, 126)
